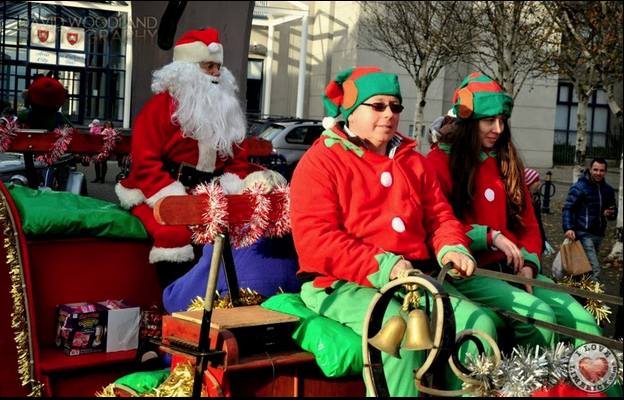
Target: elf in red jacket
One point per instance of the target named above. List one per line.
(365, 208)
(482, 175)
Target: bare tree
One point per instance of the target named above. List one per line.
(589, 57)
(514, 41)
(421, 37)
(511, 41)
(612, 71)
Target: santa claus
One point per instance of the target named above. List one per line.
(189, 132)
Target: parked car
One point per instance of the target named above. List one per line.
(256, 124)
(290, 139)
(61, 175)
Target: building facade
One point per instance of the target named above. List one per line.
(104, 53)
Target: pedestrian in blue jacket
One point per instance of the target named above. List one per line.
(590, 203)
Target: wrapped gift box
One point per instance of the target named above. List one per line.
(81, 328)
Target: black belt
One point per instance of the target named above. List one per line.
(187, 174)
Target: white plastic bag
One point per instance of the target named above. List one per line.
(557, 270)
(557, 267)
(548, 249)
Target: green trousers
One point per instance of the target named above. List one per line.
(545, 305)
(348, 304)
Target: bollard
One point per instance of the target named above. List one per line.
(547, 190)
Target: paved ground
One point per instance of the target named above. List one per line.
(102, 191)
(561, 179)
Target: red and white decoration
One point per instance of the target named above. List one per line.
(7, 133)
(63, 139)
(216, 217)
(43, 35)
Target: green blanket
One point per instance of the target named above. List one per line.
(52, 214)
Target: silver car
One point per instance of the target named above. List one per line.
(290, 139)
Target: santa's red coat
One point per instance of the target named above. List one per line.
(155, 138)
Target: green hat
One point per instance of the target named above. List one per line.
(354, 86)
(480, 97)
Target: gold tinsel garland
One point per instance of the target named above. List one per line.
(178, 384)
(596, 307)
(19, 317)
(246, 297)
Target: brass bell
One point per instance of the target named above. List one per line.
(390, 336)
(418, 336)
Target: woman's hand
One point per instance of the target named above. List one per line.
(462, 264)
(513, 253)
(526, 272)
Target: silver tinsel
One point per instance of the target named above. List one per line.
(558, 360)
(486, 371)
(526, 371)
(523, 372)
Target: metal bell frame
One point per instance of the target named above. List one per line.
(445, 343)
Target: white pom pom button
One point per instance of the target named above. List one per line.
(386, 179)
(398, 225)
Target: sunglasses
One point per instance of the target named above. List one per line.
(381, 107)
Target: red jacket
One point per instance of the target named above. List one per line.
(491, 212)
(355, 213)
(154, 138)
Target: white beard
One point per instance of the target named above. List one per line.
(208, 108)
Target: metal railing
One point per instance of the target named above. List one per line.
(599, 144)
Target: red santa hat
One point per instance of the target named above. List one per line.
(199, 46)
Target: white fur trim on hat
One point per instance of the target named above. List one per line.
(196, 52)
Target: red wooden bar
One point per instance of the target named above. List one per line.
(189, 210)
(39, 141)
(30, 140)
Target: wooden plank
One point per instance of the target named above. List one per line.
(222, 339)
(42, 142)
(238, 317)
(189, 210)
